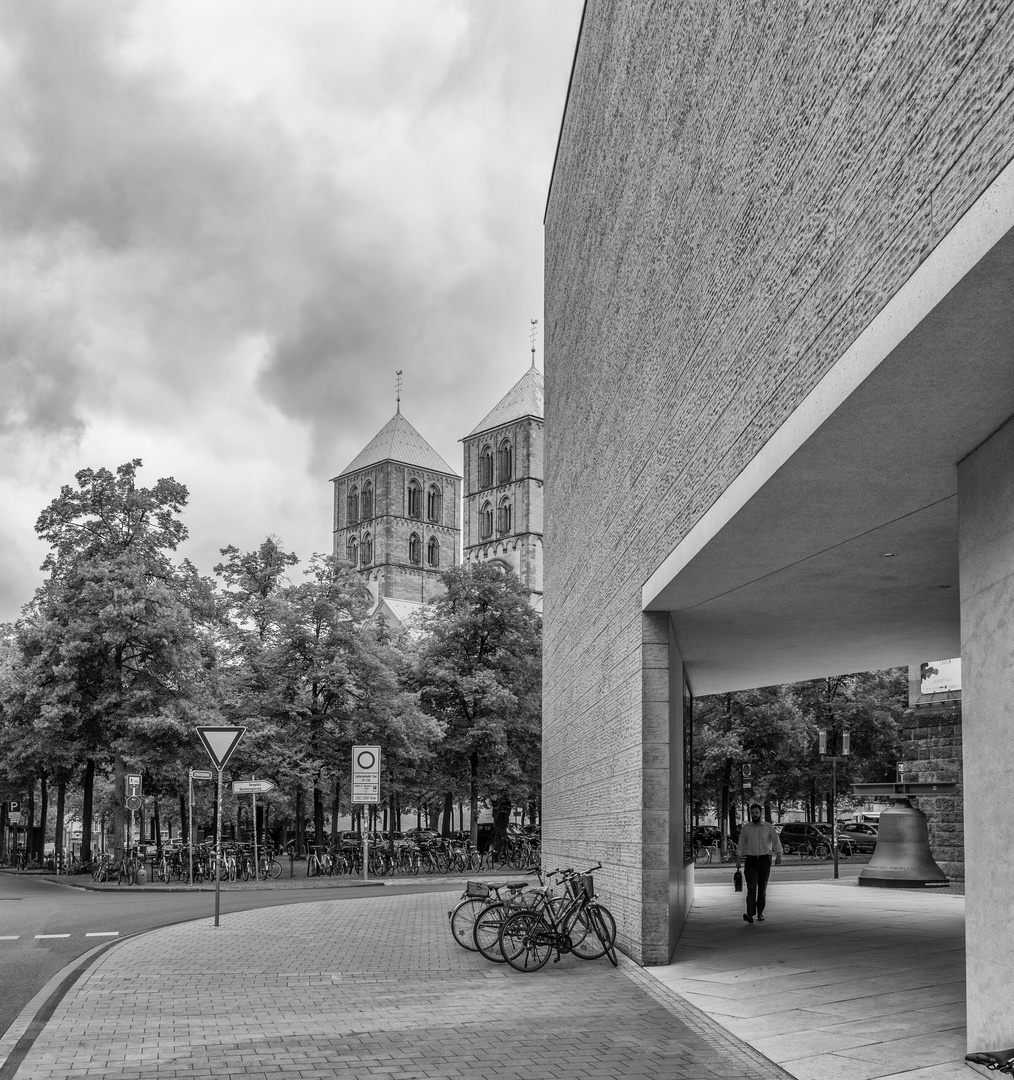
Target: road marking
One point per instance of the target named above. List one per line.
(104, 933)
(10, 937)
(39, 937)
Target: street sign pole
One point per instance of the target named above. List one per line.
(257, 865)
(218, 849)
(190, 831)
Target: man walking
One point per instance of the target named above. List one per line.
(757, 840)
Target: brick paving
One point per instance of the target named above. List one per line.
(368, 987)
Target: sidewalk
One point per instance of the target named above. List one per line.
(376, 987)
(838, 983)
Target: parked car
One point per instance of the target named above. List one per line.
(861, 836)
(803, 836)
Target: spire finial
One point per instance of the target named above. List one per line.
(397, 389)
(533, 334)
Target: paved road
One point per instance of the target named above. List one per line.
(44, 926)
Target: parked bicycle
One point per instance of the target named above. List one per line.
(582, 926)
(994, 1060)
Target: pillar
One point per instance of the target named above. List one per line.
(986, 563)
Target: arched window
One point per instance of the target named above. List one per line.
(353, 551)
(367, 553)
(433, 552)
(414, 499)
(504, 462)
(486, 521)
(353, 504)
(503, 516)
(486, 467)
(414, 552)
(367, 502)
(433, 503)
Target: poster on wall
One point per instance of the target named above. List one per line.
(940, 676)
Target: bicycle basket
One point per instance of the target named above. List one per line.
(582, 883)
(476, 888)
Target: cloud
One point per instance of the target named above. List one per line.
(225, 226)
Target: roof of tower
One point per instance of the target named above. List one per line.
(397, 440)
(525, 398)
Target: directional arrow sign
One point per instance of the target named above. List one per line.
(220, 742)
(251, 787)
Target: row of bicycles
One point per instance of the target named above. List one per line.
(178, 863)
(410, 858)
(523, 925)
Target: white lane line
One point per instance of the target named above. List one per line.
(104, 933)
(39, 937)
(10, 937)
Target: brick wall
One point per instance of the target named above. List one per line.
(739, 189)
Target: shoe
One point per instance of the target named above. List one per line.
(760, 918)
(747, 918)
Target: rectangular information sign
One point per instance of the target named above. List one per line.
(365, 774)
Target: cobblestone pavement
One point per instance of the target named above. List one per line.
(364, 988)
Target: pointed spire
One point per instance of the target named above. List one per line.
(397, 389)
(533, 334)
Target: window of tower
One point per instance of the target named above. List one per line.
(433, 552)
(352, 505)
(505, 462)
(414, 550)
(433, 503)
(414, 499)
(353, 551)
(367, 549)
(486, 467)
(486, 521)
(503, 516)
(367, 500)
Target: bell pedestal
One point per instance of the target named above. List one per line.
(902, 859)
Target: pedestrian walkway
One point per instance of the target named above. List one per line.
(838, 983)
(366, 987)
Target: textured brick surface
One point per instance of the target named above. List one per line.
(740, 189)
(369, 987)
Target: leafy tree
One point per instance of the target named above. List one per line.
(109, 650)
(480, 672)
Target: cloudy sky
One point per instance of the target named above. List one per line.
(226, 223)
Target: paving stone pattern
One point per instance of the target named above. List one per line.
(368, 987)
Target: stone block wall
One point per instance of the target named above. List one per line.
(931, 749)
(739, 189)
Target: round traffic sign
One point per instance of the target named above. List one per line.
(132, 802)
(366, 760)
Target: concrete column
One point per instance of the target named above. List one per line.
(986, 561)
(681, 876)
(655, 712)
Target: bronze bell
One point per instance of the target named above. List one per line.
(902, 859)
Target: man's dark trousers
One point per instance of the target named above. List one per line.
(758, 870)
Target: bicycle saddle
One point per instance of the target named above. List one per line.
(994, 1059)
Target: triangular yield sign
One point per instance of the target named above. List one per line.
(220, 742)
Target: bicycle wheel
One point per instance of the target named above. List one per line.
(463, 921)
(523, 943)
(600, 932)
(823, 851)
(486, 932)
(702, 855)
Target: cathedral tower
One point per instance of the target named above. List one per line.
(503, 484)
(396, 516)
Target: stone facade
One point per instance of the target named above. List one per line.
(503, 482)
(397, 515)
(739, 190)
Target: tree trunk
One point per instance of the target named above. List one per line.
(335, 811)
(473, 796)
(447, 824)
(43, 817)
(318, 811)
(156, 821)
(61, 793)
(501, 819)
(300, 823)
(726, 811)
(119, 779)
(88, 811)
(184, 820)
